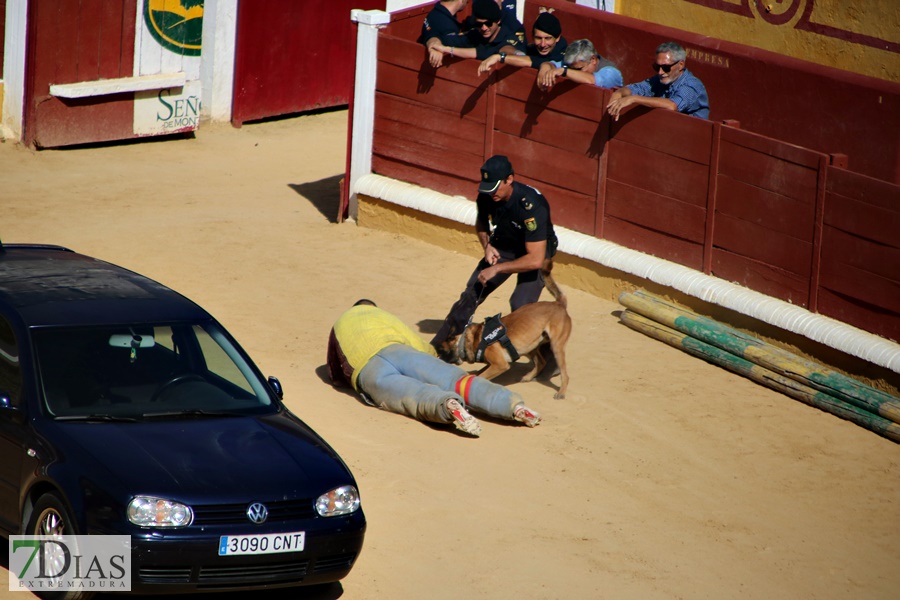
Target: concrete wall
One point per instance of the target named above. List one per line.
(861, 37)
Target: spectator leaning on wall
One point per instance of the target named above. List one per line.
(548, 45)
(672, 88)
(580, 63)
(489, 35)
(508, 18)
(441, 28)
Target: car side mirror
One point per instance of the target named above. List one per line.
(276, 387)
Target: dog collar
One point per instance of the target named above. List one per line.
(461, 344)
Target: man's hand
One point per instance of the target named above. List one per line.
(547, 75)
(491, 256)
(487, 274)
(435, 56)
(618, 101)
(488, 63)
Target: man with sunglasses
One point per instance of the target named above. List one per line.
(580, 63)
(508, 17)
(488, 36)
(672, 88)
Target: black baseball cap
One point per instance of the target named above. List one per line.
(496, 169)
(488, 10)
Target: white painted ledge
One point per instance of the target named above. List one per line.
(104, 87)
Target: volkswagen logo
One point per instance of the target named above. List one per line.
(258, 513)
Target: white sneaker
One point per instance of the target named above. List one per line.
(462, 419)
(525, 415)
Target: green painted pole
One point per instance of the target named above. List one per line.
(809, 373)
(776, 381)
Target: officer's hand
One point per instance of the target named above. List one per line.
(486, 275)
(491, 256)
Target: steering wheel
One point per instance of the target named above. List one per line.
(174, 381)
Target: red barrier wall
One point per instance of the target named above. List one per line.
(827, 110)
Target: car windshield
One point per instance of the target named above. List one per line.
(159, 371)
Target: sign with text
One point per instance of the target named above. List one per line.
(69, 563)
(167, 111)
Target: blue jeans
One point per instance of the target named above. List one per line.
(404, 380)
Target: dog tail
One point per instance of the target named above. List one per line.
(550, 283)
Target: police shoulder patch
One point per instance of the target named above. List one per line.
(530, 224)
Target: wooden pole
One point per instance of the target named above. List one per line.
(808, 373)
(762, 375)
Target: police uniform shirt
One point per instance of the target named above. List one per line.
(508, 17)
(441, 24)
(505, 37)
(555, 55)
(525, 217)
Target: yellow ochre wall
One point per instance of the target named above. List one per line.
(862, 36)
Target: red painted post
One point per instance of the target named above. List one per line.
(711, 193)
(818, 227)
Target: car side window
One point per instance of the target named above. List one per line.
(10, 369)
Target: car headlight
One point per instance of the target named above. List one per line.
(339, 501)
(148, 511)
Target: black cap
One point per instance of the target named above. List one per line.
(496, 169)
(548, 23)
(487, 10)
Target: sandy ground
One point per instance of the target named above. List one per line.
(660, 476)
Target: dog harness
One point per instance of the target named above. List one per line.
(495, 331)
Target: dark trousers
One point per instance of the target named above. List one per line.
(528, 289)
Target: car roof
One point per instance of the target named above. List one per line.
(51, 285)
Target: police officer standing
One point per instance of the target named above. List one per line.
(521, 240)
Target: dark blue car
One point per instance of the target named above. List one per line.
(126, 409)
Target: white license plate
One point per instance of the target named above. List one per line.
(270, 543)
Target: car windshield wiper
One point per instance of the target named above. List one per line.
(191, 412)
(97, 417)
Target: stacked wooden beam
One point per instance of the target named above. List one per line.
(804, 380)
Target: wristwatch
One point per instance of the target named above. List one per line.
(503, 57)
(565, 70)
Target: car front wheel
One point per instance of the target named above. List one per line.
(50, 518)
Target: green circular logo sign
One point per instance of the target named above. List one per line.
(176, 24)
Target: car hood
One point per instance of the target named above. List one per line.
(201, 458)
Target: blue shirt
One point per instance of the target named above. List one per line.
(606, 76)
(687, 92)
(511, 19)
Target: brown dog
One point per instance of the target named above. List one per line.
(528, 328)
